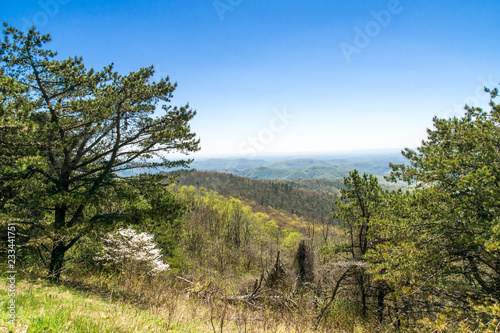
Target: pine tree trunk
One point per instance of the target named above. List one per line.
(58, 249)
(380, 303)
(56, 261)
(361, 281)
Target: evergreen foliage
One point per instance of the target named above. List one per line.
(78, 130)
(439, 245)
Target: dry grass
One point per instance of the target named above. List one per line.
(139, 304)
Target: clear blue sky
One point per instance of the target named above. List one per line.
(343, 75)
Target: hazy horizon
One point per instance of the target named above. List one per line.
(310, 154)
(290, 77)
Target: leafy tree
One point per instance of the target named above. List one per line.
(164, 217)
(360, 199)
(442, 241)
(90, 130)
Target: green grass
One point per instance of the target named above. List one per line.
(44, 307)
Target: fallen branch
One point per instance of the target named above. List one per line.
(185, 280)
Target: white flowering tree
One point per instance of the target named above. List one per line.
(125, 249)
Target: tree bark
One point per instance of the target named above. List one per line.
(362, 290)
(56, 261)
(58, 249)
(57, 257)
(380, 303)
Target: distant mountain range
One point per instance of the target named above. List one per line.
(303, 186)
(301, 168)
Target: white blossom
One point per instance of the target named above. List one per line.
(126, 248)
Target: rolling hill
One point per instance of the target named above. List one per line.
(314, 206)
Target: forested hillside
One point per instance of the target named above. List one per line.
(314, 206)
(262, 172)
(332, 186)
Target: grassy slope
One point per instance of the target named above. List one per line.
(43, 307)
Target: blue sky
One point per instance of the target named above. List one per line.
(291, 76)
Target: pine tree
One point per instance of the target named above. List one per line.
(88, 131)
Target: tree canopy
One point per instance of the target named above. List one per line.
(440, 246)
(80, 132)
